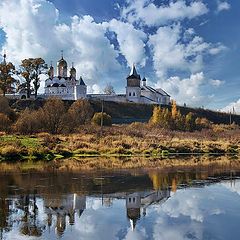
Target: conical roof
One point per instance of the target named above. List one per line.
(82, 82)
(133, 73)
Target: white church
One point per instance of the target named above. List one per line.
(69, 88)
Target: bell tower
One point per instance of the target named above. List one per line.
(133, 89)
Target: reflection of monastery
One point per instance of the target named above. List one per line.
(137, 203)
(63, 207)
(69, 88)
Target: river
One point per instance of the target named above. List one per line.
(169, 203)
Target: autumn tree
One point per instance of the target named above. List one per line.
(79, 113)
(156, 116)
(31, 69)
(54, 115)
(29, 122)
(190, 122)
(5, 108)
(174, 110)
(6, 77)
(5, 122)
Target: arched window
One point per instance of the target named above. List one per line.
(130, 94)
(134, 94)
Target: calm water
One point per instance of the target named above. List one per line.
(164, 204)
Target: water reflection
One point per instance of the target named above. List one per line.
(154, 204)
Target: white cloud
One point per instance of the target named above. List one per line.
(216, 82)
(32, 31)
(170, 52)
(131, 41)
(152, 15)
(187, 90)
(222, 6)
(233, 106)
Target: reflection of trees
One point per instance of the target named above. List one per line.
(30, 225)
(4, 215)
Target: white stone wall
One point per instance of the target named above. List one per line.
(80, 91)
(133, 94)
(108, 98)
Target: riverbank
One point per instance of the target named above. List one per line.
(135, 140)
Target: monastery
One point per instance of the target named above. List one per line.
(70, 88)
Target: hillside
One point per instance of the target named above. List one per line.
(131, 112)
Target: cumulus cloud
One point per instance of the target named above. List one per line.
(152, 15)
(131, 41)
(216, 82)
(222, 6)
(33, 30)
(233, 107)
(172, 51)
(187, 90)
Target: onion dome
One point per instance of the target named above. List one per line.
(62, 62)
(51, 72)
(73, 72)
(62, 67)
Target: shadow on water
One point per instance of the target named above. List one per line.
(121, 204)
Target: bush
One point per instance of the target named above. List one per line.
(5, 122)
(10, 153)
(78, 114)
(29, 122)
(5, 108)
(54, 114)
(98, 117)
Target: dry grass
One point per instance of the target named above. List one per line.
(124, 140)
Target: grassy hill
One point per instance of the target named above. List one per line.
(132, 112)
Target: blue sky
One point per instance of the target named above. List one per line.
(190, 48)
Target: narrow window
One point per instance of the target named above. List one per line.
(129, 199)
(130, 94)
(134, 94)
(134, 199)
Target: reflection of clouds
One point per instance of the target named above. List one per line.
(99, 222)
(138, 234)
(183, 204)
(210, 212)
(166, 229)
(233, 186)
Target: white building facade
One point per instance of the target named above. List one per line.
(64, 86)
(69, 88)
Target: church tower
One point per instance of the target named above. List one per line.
(133, 89)
(51, 72)
(62, 67)
(73, 72)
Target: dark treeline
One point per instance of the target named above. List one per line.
(53, 117)
(56, 116)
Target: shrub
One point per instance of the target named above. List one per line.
(5, 108)
(98, 117)
(78, 114)
(54, 115)
(10, 153)
(29, 122)
(5, 122)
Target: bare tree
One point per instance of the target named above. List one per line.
(109, 90)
